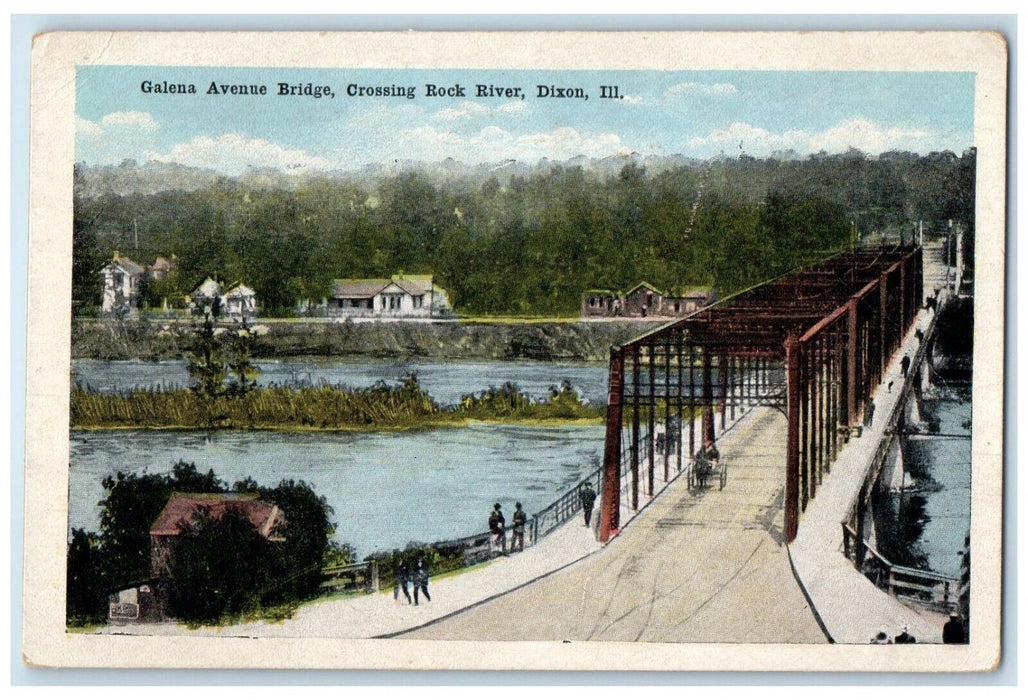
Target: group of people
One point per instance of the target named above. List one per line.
(498, 528)
(404, 577)
(953, 632)
(498, 524)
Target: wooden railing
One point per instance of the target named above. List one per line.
(351, 577)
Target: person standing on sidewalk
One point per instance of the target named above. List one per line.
(421, 581)
(588, 498)
(497, 526)
(518, 522)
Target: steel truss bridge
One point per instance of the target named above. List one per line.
(813, 344)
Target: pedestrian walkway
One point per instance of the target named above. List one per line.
(693, 566)
(852, 608)
(377, 614)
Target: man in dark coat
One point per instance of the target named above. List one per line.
(588, 497)
(421, 581)
(402, 578)
(497, 526)
(518, 521)
(953, 631)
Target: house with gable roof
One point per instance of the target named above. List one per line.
(238, 302)
(644, 301)
(398, 297)
(123, 281)
(183, 510)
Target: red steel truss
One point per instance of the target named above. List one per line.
(813, 343)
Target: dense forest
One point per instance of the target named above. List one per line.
(521, 244)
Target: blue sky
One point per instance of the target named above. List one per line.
(694, 113)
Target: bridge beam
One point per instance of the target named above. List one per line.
(610, 498)
(793, 352)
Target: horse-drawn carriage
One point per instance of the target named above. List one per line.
(703, 470)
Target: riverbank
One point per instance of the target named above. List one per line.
(165, 340)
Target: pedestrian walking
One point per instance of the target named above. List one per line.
(402, 579)
(517, 539)
(905, 365)
(421, 581)
(588, 497)
(497, 526)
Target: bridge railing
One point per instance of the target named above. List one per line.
(925, 588)
(561, 510)
(865, 557)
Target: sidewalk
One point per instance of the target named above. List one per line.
(377, 614)
(852, 608)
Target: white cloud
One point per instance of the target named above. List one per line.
(859, 133)
(476, 110)
(118, 124)
(633, 99)
(466, 110)
(869, 137)
(700, 89)
(493, 143)
(84, 127)
(234, 154)
(516, 107)
(138, 120)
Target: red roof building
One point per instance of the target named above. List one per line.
(182, 510)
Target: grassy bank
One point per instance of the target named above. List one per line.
(382, 407)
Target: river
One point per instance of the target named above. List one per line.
(386, 489)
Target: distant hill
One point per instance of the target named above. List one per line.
(130, 177)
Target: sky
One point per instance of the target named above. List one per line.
(697, 114)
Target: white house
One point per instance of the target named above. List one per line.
(123, 286)
(401, 296)
(239, 302)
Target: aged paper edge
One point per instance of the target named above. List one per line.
(54, 58)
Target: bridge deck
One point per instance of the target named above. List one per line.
(692, 567)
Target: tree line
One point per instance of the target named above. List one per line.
(527, 244)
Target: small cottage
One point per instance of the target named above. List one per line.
(239, 302)
(182, 510)
(644, 301)
(600, 303)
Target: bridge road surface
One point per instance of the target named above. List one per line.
(691, 567)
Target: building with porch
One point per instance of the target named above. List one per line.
(400, 296)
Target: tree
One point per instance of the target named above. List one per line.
(206, 358)
(307, 532)
(240, 346)
(87, 597)
(131, 506)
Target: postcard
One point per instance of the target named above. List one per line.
(526, 350)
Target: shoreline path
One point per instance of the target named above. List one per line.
(707, 566)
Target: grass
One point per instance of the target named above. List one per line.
(382, 407)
